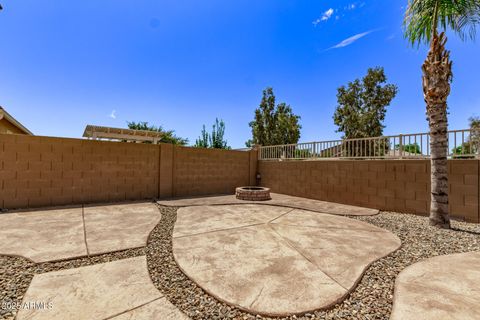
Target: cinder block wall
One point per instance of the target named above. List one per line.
(42, 171)
(209, 171)
(396, 185)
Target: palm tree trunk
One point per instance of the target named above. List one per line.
(437, 74)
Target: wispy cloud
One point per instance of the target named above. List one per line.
(350, 40)
(340, 12)
(325, 16)
(351, 6)
(355, 5)
(113, 114)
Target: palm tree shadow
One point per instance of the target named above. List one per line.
(475, 232)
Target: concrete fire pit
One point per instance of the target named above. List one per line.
(253, 193)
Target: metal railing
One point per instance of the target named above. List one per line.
(461, 144)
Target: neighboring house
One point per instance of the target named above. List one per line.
(8, 124)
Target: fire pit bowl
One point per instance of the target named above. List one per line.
(253, 193)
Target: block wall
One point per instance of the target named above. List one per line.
(209, 171)
(42, 171)
(396, 185)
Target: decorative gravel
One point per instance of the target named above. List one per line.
(371, 299)
(16, 273)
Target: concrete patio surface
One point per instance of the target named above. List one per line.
(57, 234)
(273, 260)
(278, 200)
(114, 227)
(443, 287)
(115, 290)
(43, 235)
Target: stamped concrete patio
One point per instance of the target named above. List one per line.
(282, 200)
(65, 233)
(444, 287)
(273, 260)
(114, 290)
(286, 256)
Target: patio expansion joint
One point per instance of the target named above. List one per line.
(85, 231)
(328, 227)
(134, 308)
(219, 230)
(291, 245)
(282, 215)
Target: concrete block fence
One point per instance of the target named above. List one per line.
(395, 185)
(42, 171)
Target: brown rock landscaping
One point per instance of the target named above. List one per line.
(324, 254)
(208, 260)
(372, 297)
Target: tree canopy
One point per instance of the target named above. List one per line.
(362, 105)
(168, 135)
(471, 145)
(274, 124)
(424, 17)
(215, 140)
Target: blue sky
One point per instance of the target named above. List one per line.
(180, 64)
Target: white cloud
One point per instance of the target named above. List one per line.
(351, 40)
(354, 5)
(325, 16)
(113, 114)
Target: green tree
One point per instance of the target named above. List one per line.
(423, 21)
(167, 137)
(218, 132)
(215, 140)
(362, 105)
(472, 144)
(412, 148)
(475, 132)
(274, 124)
(202, 141)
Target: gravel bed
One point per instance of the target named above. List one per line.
(17, 273)
(371, 299)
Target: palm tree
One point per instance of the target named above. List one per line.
(423, 20)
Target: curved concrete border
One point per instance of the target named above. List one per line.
(442, 287)
(258, 279)
(277, 200)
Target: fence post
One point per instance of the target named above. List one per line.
(400, 145)
(253, 158)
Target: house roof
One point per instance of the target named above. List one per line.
(5, 115)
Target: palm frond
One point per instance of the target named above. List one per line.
(424, 17)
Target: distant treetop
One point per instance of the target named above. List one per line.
(168, 135)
